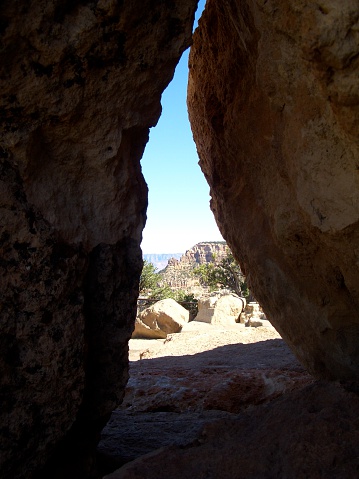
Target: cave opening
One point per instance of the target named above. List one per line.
(80, 90)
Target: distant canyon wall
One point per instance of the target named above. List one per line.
(273, 98)
(178, 273)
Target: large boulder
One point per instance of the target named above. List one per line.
(273, 98)
(222, 309)
(80, 84)
(142, 331)
(162, 318)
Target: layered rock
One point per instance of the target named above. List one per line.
(178, 272)
(274, 106)
(80, 87)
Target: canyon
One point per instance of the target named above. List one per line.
(178, 273)
(273, 101)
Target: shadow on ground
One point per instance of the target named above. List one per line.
(170, 399)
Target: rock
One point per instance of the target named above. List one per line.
(224, 309)
(253, 309)
(254, 323)
(144, 331)
(273, 100)
(166, 315)
(178, 272)
(253, 316)
(204, 373)
(128, 435)
(324, 443)
(81, 84)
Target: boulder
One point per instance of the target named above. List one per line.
(273, 99)
(142, 331)
(81, 85)
(166, 316)
(223, 309)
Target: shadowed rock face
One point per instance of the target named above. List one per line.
(273, 99)
(80, 86)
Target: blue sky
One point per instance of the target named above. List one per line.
(178, 214)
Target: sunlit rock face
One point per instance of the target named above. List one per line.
(273, 99)
(80, 86)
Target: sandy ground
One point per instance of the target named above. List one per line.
(197, 337)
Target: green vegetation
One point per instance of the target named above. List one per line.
(149, 278)
(150, 283)
(153, 288)
(226, 274)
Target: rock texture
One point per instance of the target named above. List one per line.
(162, 318)
(267, 442)
(224, 309)
(178, 272)
(144, 331)
(80, 86)
(273, 98)
(205, 373)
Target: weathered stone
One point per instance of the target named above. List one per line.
(267, 441)
(178, 273)
(143, 331)
(253, 316)
(80, 86)
(128, 435)
(217, 308)
(273, 99)
(165, 315)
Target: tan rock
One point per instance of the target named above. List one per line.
(166, 315)
(273, 99)
(224, 309)
(143, 331)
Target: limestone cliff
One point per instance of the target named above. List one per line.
(274, 106)
(80, 85)
(178, 272)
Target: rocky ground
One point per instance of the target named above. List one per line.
(209, 402)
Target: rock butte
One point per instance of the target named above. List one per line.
(275, 118)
